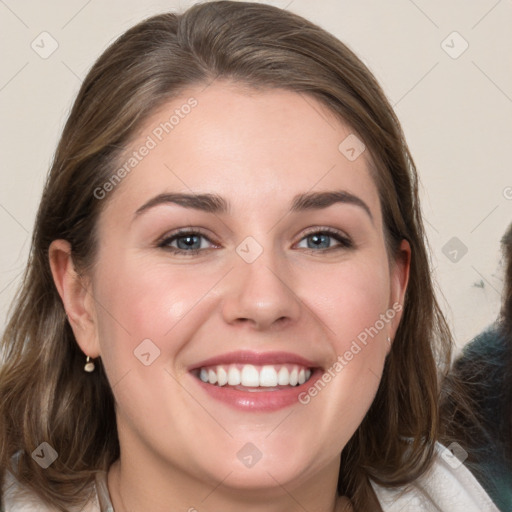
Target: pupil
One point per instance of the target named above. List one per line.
(319, 239)
(188, 242)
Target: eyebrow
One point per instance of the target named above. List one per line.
(213, 203)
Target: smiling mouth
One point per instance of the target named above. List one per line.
(249, 377)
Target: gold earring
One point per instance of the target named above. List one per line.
(89, 365)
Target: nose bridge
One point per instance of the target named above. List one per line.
(260, 289)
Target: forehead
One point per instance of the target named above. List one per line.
(252, 147)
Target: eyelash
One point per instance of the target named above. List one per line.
(344, 241)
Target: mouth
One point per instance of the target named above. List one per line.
(253, 378)
(256, 382)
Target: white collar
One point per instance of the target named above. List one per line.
(448, 486)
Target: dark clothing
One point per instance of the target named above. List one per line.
(481, 370)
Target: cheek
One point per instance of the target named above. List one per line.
(147, 315)
(351, 301)
(142, 299)
(349, 298)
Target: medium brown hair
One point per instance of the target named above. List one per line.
(44, 393)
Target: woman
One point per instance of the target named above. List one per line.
(228, 302)
(477, 398)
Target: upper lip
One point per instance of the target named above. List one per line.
(255, 358)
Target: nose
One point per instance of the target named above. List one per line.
(260, 294)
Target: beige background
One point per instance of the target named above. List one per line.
(455, 110)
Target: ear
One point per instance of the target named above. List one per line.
(400, 268)
(76, 294)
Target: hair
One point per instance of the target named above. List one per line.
(476, 401)
(44, 393)
(506, 308)
(505, 321)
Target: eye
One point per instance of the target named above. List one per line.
(189, 242)
(185, 242)
(322, 239)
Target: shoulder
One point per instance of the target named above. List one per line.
(18, 498)
(448, 486)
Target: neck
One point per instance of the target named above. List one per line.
(137, 484)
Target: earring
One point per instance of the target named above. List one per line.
(389, 341)
(89, 365)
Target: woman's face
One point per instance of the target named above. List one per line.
(274, 282)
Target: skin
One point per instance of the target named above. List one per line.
(178, 445)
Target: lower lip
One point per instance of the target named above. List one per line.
(265, 401)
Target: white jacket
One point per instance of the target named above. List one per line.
(447, 487)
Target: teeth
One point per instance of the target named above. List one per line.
(233, 376)
(268, 377)
(283, 377)
(212, 376)
(222, 376)
(250, 376)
